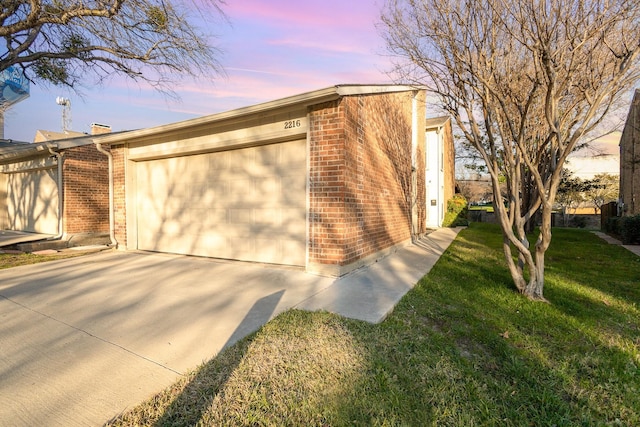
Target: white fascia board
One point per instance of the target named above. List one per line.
(436, 122)
(350, 90)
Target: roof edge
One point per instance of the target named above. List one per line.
(435, 122)
(303, 99)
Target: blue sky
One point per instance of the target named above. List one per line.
(270, 50)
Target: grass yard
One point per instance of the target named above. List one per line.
(488, 208)
(14, 260)
(462, 348)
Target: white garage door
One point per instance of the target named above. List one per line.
(247, 204)
(32, 201)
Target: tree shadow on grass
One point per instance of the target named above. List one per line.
(187, 409)
(189, 398)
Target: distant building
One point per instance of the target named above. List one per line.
(630, 160)
(57, 185)
(47, 135)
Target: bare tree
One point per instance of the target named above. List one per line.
(524, 81)
(604, 188)
(65, 41)
(571, 194)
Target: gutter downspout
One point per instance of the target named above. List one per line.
(112, 227)
(60, 161)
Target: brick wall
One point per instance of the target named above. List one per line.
(119, 194)
(86, 191)
(361, 178)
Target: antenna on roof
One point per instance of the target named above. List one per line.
(66, 112)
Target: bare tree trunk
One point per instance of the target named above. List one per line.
(515, 270)
(524, 85)
(534, 289)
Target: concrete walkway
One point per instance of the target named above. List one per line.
(83, 339)
(10, 237)
(613, 241)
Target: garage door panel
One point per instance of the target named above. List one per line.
(293, 222)
(270, 217)
(268, 188)
(247, 204)
(270, 251)
(291, 184)
(240, 216)
(293, 158)
(268, 156)
(240, 190)
(242, 161)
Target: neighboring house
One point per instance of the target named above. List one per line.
(630, 160)
(47, 135)
(328, 180)
(57, 187)
(440, 169)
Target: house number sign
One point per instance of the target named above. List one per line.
(292, 124)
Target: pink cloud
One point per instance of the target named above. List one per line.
(331, 13)
(272, 50)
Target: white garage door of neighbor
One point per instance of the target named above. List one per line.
(247, 204)
(32, 201)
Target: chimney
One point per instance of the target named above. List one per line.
(98, 129)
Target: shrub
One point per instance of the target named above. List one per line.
(630, 229)
(612, 225)
(579, 222)
(456, 214)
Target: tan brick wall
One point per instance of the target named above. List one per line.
(360, 177)
(86, 191)
(630, 159)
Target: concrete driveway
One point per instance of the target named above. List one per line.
(83, 339)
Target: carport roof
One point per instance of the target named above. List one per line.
(304, 99)
(11, 151)
(16, 151)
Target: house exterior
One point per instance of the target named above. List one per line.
(328, 180)
(439, 169)
(56, 187)
(630, 160)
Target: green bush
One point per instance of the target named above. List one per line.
(630, 229)
(456, 214)
(612, 225)
(579, 222)
(626, 228)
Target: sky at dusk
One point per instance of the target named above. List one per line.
(270, 50)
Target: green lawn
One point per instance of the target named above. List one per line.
(14, 260)
(461, 349)
(488, 208)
